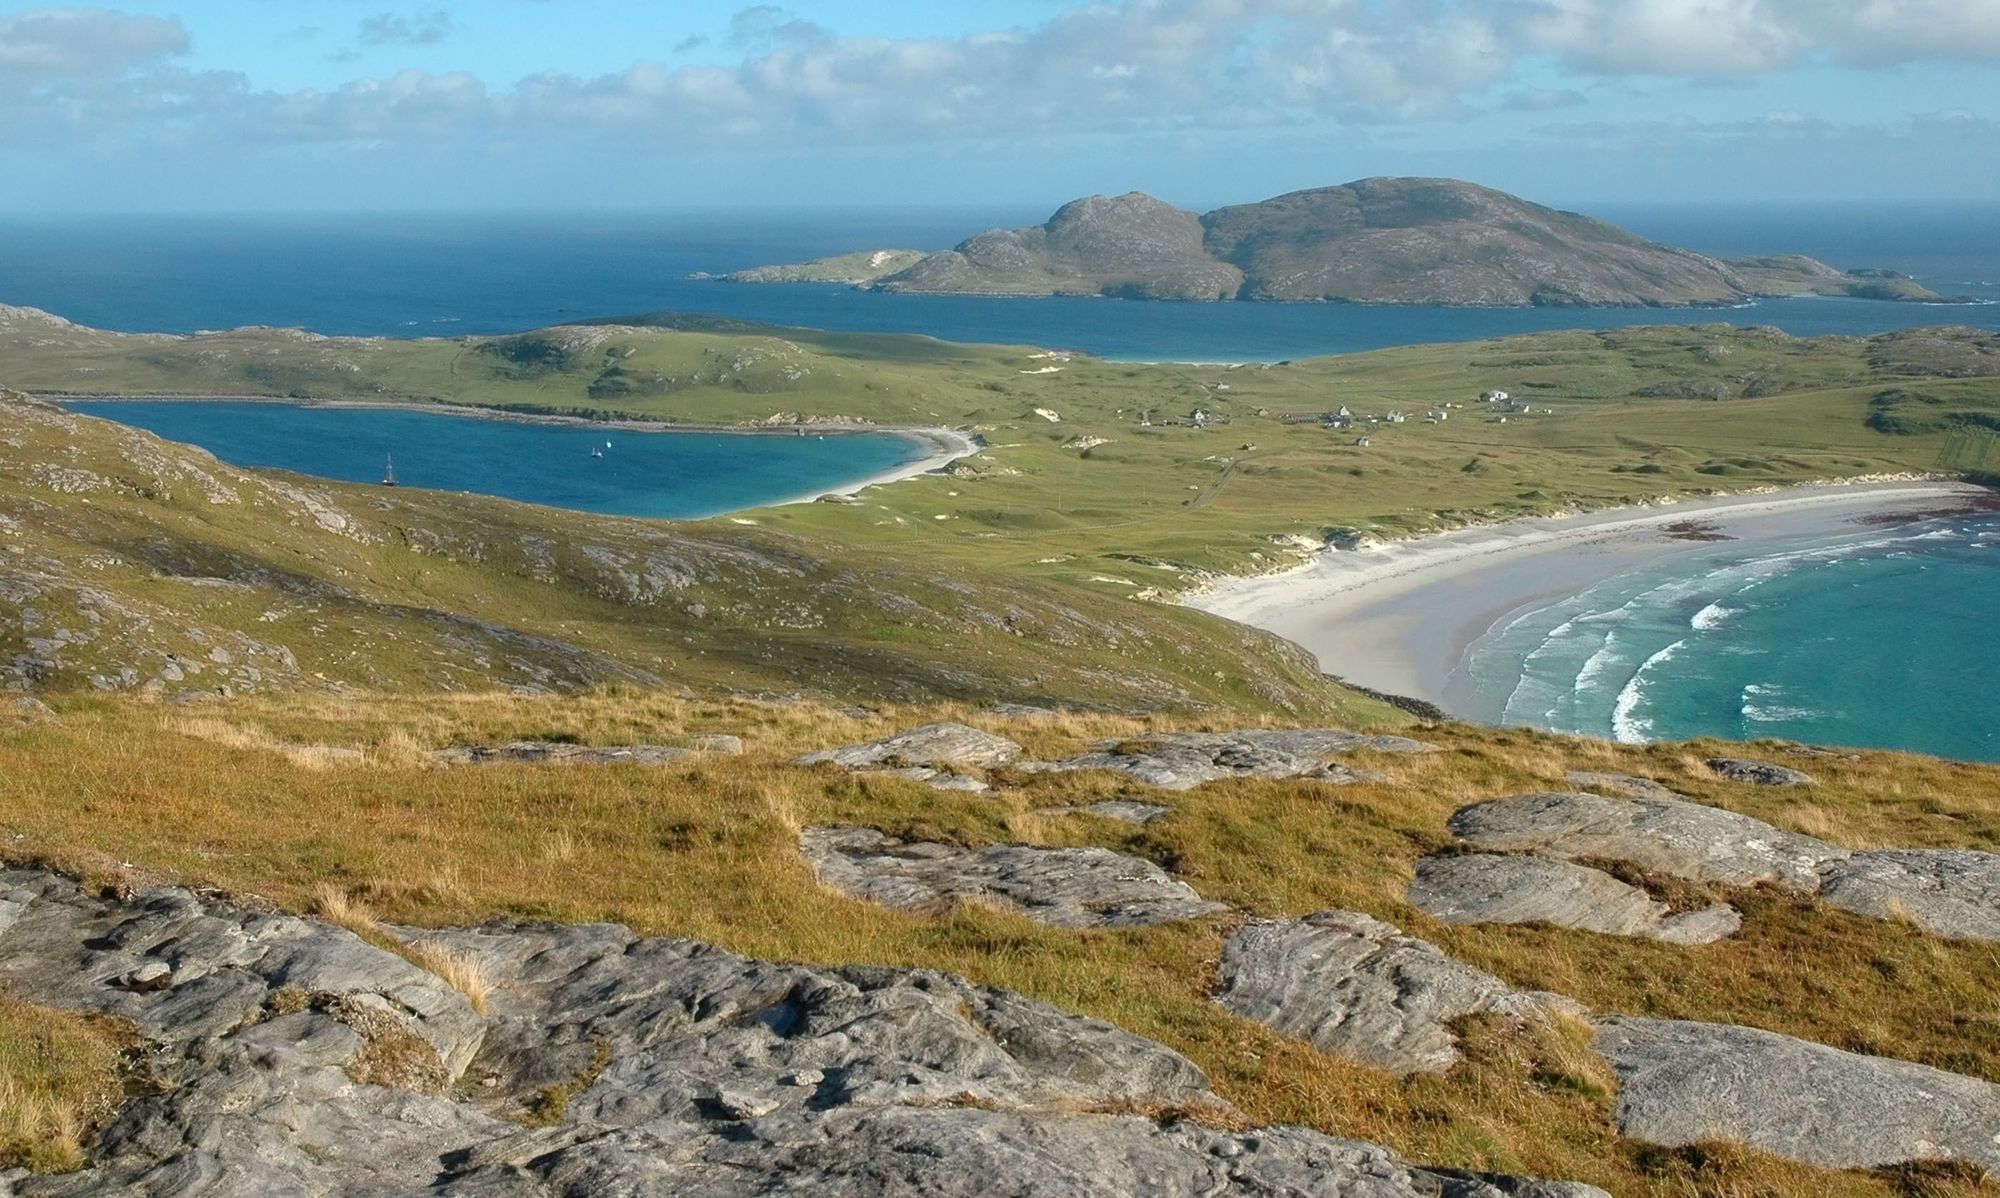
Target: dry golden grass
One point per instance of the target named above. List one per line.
(708, 848)
(465, 974)
(59, 1079)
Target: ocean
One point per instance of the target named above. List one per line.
(1880, 638)
(439, 275)
(1870, 640)
(614, 471)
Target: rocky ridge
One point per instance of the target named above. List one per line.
(287, 1055)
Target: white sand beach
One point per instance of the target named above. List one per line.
(1399, 617)
(946, 446)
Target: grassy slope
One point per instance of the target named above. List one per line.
(127, 552)
(240, 796)
(1624, 429)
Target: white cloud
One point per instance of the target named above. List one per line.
(84, 41)
(1112, 66)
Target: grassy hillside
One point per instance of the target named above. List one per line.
(331, 803)
(135, 563)
(1122, 494)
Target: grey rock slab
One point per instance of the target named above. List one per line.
(1664, 836)
(1184, 760)
(1071, 888)
(695, 1072)
(1684, 1083)
(938, 745)
(536, 752)
(1948, 892)
(914, 1152)
(221, 963)
(1477, 888)
(1758, 773)
(1359, 988)
(720, 742)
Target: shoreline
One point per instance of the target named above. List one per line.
(1400, 617)
(942, 446)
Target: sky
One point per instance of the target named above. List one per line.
(338, 105)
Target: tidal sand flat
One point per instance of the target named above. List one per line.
(609, 467)
(1563, 622)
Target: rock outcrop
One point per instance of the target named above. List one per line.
(1184, 760)
(1946, 892)
(1478, 888)
(1686, 1083)
(936, 745)
(1069, 888)
(935, 754)
(1672, 837)
(1359, 988)
(541, 752)
(1758, 773)
(290, 1057)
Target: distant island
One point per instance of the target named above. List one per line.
(1373, 241)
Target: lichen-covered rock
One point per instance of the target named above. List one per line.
(1663, 836)
(1686, 1083)
(541, 752)
(1758, 773)
(1071, 888)
(1948, 892)
(1476, 888)
(937, 745)
(289, 1060)
(1184, 760)
(1361, 989)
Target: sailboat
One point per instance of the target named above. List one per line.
(596, 452)
(389, 472)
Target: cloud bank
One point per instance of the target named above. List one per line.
(95, 75)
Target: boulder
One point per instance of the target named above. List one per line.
(1663, 836)
(644, 1065)
(937, 745)
(1686, 1083)
(1948, 892)
(1184, 760)
(1758, 773)
(1479, 888)
(1361, 989)
(541, 752)
(1070, 888)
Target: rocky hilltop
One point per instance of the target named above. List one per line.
(1373, 241)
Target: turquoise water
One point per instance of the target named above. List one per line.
(679, 475)
(1874, 639)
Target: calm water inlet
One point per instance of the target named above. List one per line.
(586, 468)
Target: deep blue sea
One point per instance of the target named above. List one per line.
(452, 275)
(1883, 639)
(611, 470)
(1880, 638)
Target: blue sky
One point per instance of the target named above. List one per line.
(220, 105)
